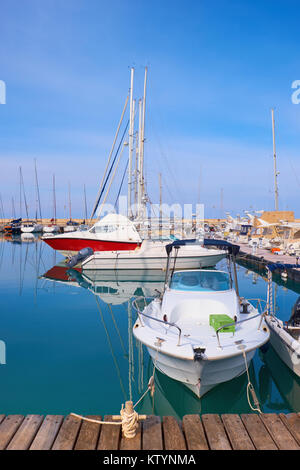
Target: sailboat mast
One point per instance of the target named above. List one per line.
(22, 186)
(130, 146)
(54, 199)
(70, 201)
(160, 205)
(85, 205)
(140, 181)
(275, 163)
(143, 138)
(38, 201)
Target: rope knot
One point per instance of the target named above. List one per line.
(130, 420)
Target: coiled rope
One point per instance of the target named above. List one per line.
(128, 417)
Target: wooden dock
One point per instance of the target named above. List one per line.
(208, 432)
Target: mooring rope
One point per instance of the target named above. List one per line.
(250, 390)
(128, 417)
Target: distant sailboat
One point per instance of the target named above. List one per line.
(71, 224)
(31, 226)
(52, 227)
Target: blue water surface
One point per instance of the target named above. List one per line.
(69, 344)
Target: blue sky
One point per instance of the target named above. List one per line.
(215, 71)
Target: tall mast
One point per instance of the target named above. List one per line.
(136, 173)
(38, 202)
(70, 201)
(22, 186)
(85, 206)
(143, 137)
(160, 206)
(131, 129)
(13, 208)
(275, 164)
(140, 180)
(54, 199)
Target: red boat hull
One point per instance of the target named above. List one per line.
(76, 244)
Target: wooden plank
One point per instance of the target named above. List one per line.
(173, 437)
(279, 432)
(8, 428)
(238, 436)
(292, 422)
(109, 436)
(47, 433)
(2, 418)
(26, 433)
(134, 443)
(258, 432)
(67, 434)
(152, 438)
(89, 434)
(194, 433)
(215, 432)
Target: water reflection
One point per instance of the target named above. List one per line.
(70, 345)
(113, 287)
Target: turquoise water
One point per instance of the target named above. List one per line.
(69, 346)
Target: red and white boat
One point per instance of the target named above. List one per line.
(114, 232)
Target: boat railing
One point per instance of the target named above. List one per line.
(141, 313)
(260, 304)
(261, 315)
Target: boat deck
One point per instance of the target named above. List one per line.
(210, 431)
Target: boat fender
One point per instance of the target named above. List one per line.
(80, 256)
(165, 318)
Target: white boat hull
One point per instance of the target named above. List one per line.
(32, 229)
(51, 229)
(134, 262)
(153, 255)
(287, 348)
(203, 375)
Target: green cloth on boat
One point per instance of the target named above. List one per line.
(216, 321)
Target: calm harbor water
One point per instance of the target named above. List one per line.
(69, 346)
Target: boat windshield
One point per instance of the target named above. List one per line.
(103, 228)
(200, 281)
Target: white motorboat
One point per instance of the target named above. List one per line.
(196, 332)
(112, 232)
(152, 255)
(71, 226)
(51, 228)
(31, 227)
(285, 336)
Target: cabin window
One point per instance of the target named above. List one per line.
(104, 228)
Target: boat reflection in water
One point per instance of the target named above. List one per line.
(279, 386)
(172, 398)
(114, 287)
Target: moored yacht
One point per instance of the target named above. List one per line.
(198, 332)
(151, 254)
(112, 232)
(31, 226)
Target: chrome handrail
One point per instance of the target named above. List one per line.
(155, 319)
(259, 302)
(239, 322)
